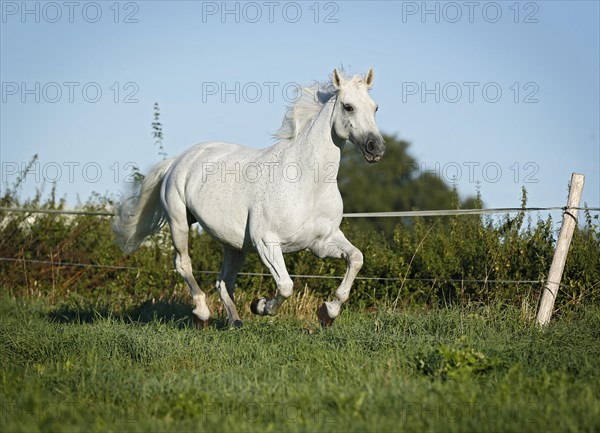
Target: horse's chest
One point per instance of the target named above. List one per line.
(308, 225)
(298, 218)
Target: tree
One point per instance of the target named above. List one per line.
(395, 183)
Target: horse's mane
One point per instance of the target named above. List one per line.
(308, 104)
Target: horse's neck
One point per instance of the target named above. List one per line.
(315, 147)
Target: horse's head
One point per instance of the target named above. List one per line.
(354, 115)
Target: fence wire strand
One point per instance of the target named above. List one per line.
(405, 214)
(265, 274)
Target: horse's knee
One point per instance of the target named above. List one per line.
(183, 265)
(222, 289)
(356, 259)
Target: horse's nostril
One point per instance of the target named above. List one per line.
(371, 145)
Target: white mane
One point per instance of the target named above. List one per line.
(307, 106)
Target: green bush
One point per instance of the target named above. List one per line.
(422, 262)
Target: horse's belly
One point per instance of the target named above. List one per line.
(228, 234)
(221, 217)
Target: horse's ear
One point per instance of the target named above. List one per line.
(369, 78)
(336, 79)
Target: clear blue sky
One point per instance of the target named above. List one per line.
(438, 69)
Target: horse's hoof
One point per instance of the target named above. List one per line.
(199, 323)
(323, 316)
(258, 306)
(237, 324)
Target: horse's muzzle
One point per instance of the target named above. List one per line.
(373, 148)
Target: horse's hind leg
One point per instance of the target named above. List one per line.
(232, 262)
(178, 222)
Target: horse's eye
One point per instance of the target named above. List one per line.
(376, 107)
(348, 107)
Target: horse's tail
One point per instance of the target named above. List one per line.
(141, 215)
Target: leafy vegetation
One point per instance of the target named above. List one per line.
(419, 261)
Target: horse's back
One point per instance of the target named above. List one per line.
(215, 152)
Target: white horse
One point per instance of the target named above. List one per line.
(276, 200)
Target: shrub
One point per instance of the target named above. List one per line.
(423, 262)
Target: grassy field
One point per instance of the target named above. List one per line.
(68, 368)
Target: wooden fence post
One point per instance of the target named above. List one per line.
(562, 248)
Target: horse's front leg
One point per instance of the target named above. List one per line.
(272, 256)
(337, 246)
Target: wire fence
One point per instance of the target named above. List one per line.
(400, 214)
(264, 274)
(394, 214)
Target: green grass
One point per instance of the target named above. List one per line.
(454, 369)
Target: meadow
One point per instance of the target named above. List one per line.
(476, 368)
